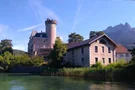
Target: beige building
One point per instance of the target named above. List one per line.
(96, 49)
(123, 53)
(41, 43)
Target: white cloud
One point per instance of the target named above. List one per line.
(41, 12)
(31, 27)
(76, 20)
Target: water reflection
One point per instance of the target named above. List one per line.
(26, 82)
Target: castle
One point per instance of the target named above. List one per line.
(41, 43)
(99, 48)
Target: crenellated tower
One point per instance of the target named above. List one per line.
(51, 31)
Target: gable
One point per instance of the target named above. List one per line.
(90, 41)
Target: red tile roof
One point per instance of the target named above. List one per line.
(121, 49)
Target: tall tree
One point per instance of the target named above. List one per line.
(6, 45)
(56, 55)
(73, 37)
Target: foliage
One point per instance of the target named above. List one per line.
(36, 61)
(7, 60)
(6, 45)
(97, 65)
(56, 55)
(73, 37)
(95, 33)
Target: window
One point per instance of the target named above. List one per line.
(121, 55)
(103, 60)
(96, 60)
(127, 55)
(96, 49)
(109, 50)
(83, 61)
(41, 35)
(72, 52)
(82, 50)
(109, 60)
(103, 49)
(73, 60)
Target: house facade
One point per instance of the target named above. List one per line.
(41, 43)
(123, 53)
(88, 52)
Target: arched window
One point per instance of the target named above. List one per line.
(102, 41)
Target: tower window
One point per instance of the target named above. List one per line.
(96, 49)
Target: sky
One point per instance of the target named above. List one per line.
(19, 17)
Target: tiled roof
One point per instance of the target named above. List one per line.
(88, 41)
(42, 34)
(121, 49)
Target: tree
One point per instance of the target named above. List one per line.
(36, 61)
(133, 54)
(56, 55)
(73, 37)
(95, 33)
(100, 33)
(92, 34)
(6, 45)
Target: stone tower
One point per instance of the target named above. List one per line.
(51, 31)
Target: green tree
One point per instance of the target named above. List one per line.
(73, 37)
(92, 34)
(56, 55)
(100, 33)
(6, 45)
(133, 54)
(95, 33)
(37, 61)
(7, 57)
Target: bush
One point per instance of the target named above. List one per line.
(97, 65)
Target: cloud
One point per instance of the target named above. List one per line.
(31, 27)
(3, 29)
(76, 19)
(41, 12)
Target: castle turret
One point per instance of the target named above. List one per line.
(51, 31)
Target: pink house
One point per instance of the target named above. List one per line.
(96, 49)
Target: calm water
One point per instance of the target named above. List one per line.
(33, 82)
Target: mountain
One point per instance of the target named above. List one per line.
(18, 52)
(122, 34)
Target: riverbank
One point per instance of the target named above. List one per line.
(112, 72)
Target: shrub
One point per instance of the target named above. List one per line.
(97, 65)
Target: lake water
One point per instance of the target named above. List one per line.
(36, 82)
